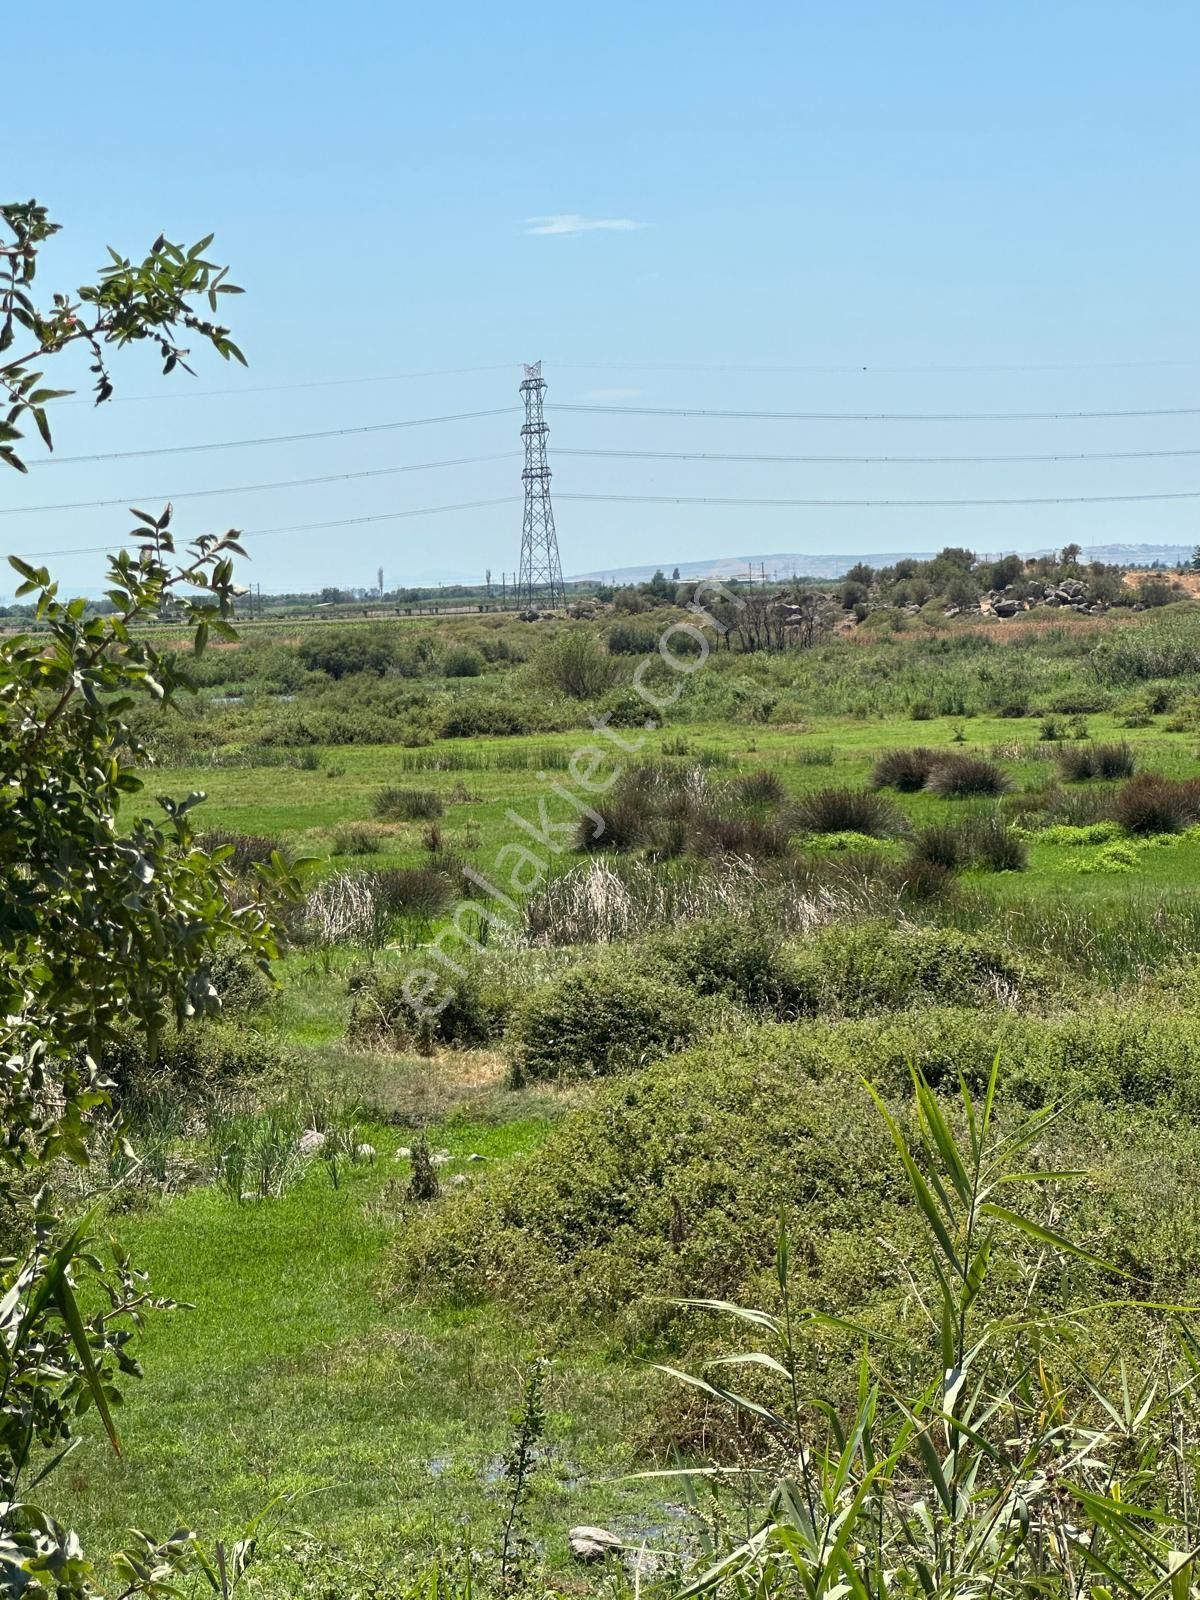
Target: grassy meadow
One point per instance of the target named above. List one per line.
(656, 1051)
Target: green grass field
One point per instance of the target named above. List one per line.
(383, 1417)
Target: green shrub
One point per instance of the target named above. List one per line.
(671, 1181)
(462, 663)
(662, 1186)
(906, 770)
(247, 849)
(240, 983)
(1081, 762)
(1119, 857)
(475, 1007)
(197, 1060)
(357, 839)
(626, 639)
(958, 776)
(839, 843)
(725, 956)
(853, 970)
(574, 664)
(1153, 804)
(394, 804)
(1063, 833)
(599, 1018)
(846, 811)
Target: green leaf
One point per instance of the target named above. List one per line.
(64, 1297)
(1036, 1230)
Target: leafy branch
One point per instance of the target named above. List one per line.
(155, 299)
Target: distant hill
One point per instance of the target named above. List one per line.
(783, 564)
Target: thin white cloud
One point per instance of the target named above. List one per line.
(571, 222)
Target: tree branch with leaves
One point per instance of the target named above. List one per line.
(155, 299)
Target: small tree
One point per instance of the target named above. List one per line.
(100, 922)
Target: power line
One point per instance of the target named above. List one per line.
(278, 438)
(254, 488)
(299, 527)
(872, 416)
(866, 367)
(712, 455)
(180, 393)
(644, 499)
(1015, 500)
(872, 367)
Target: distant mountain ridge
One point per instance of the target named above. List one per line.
(783, 564)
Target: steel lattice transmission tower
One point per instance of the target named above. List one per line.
(541, 579)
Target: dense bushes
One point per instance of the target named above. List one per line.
(1082, 761)
(601, 1017)
(846, 811)
(475, 1007)
(626, 639)
(574, 664)
(723, 955)
(462, 663)
(197, 1060)
(956, 776)
(665, 1183)
(905, 770)
(393, 804)
(1151, 804)
(852, 970)
(671, 1181)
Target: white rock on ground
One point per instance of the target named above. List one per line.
(309, 1142)
(593, 1544)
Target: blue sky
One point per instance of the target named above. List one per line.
(836, 207)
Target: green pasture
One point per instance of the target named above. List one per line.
(485, 784)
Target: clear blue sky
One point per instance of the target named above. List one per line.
(988, 207)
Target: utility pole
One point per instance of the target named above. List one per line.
(541, 570)
(487, 580)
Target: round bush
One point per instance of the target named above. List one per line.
(846, 811)
(904, 770)
(601, 1018)
(722, 956)
(955, 777)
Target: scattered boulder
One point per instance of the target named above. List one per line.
(310, 1142)
(593, 1544)
(364, 1152)
(404, 1153)
(440, 1157)
(1006, 608)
